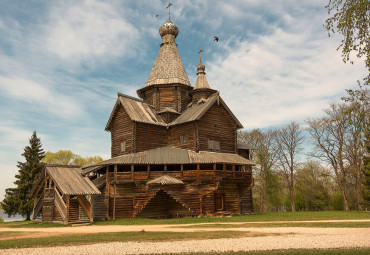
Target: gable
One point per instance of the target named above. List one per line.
(197, 110)
(137, 110)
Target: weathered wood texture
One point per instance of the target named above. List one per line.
(150, 136)
(122, 130)
(185, 129)
(217, 125)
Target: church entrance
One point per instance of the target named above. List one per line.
(162, 205)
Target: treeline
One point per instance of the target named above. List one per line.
(67, 157)
(322, 166)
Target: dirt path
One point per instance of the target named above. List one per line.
(161, 228)
(281, 238)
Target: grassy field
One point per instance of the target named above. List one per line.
(258, 217)
(80, 239)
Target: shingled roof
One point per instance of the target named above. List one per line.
(137, 110)
(168, 67)
(68, 179)
(197, 110)
(172, 155)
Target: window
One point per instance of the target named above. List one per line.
(123, 146)
(214, 145)
(183, 139)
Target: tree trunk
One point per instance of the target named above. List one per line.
(28, 216)
(291, 193)
(345, 201)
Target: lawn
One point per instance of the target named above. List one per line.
(80, 239)
(258, 217)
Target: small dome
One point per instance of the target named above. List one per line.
(169, 28)
(201, 68)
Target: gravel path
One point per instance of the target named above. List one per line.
(293, 238)
(280, 238)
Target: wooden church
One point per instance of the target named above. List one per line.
(174, 152)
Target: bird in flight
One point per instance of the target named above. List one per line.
(156, 16)
(215, 38)
(169, 5)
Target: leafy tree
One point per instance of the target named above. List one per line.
(351, 18)
(16, 199)
(288, 146)
(67, 157)
(312, 187)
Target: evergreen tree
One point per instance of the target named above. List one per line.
(16, 199)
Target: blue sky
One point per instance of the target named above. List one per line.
(63, 62)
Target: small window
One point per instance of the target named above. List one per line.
(214, 145)
(183, 138)
(123, 146)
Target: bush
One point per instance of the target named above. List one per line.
(338, 201)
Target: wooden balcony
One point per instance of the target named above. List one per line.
(234, 176)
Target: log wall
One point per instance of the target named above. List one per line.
(122, 129)
(184, 129)
(150, 136)
(217, 125)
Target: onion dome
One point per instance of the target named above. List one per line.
(201, 82)
(168, 32)
(168, 67)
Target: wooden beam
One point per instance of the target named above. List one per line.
(182, 171)
(67, 198)
(224, 168)
(165, 168)
(114, 202)
(107, 194)
(234, 170)
(115, 173)
(198, 171)
(201, 204)
(132, 171)
(148, 169)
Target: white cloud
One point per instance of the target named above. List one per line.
(281, 77)
(40, 96)
(89, 29)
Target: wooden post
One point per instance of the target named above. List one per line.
(182, 171)
(114, 202)
(234, 170)
(198, 171)
(165, 169)
(132, 171)
(148, 168)
(201, 204)
(107, 195)
(224, 168)
(214, 169)
(115, 173)
(67, 198)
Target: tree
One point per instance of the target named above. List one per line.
(264, 157)
(312, 187)
(329, 133)
(16, 199)
(351, 18)
(288, 145)
(67, 157)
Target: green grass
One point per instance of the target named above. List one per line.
(281, 216)
(79, 239)
(352, 251)
(292, 224)
(29, 224)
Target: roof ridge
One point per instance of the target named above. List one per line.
(129, 97)
(60, 165)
